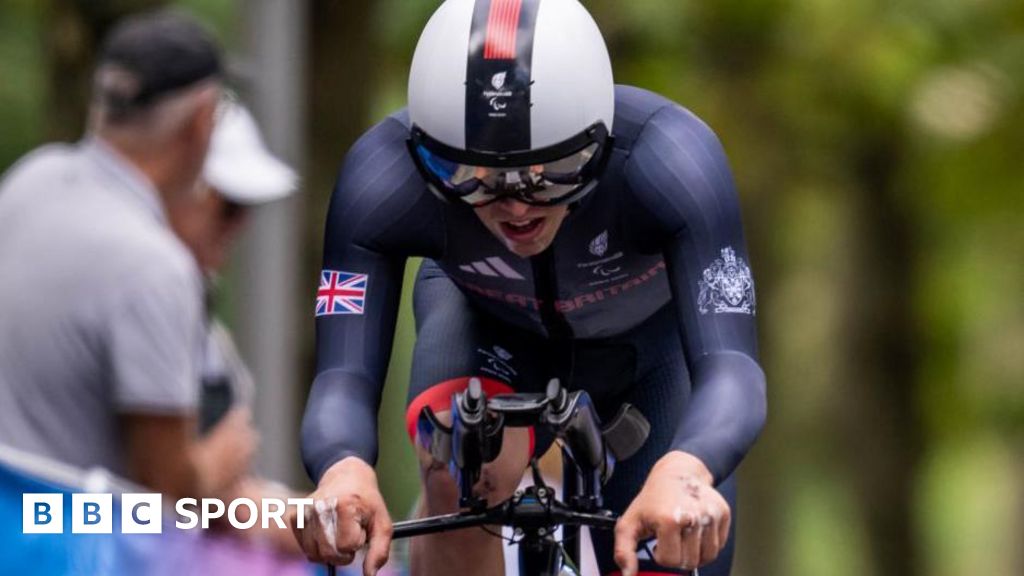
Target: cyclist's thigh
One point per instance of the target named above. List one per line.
(455, 341)
(660, 390)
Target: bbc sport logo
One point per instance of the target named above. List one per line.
(92, 513)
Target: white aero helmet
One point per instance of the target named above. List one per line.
(511, 98)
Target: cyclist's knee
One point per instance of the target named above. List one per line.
(440, 492)
(498, 479)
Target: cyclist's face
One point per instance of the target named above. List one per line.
(525, 230)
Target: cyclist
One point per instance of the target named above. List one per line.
(571, 228)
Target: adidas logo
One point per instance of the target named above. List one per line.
(494, 267)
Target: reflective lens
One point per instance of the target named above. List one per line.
(546, 183)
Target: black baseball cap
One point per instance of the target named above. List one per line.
(152, 54)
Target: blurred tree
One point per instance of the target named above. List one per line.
(883, 432)
(23, 69)
(344, 50)
(72, 34)
(876, 148)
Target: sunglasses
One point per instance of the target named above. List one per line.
(551, 176)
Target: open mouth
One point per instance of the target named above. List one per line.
(521, 230)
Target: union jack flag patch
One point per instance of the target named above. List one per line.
(341, 293)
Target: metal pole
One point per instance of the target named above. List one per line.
(269, 279)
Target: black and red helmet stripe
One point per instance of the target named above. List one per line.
(498, 75)
(502, 29)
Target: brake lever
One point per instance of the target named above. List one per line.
(469, 445)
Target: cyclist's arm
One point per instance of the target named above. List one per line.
(379, 213)
(352, 357)
(681, 174)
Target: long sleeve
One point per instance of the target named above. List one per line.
(680, 173)
(380, 213)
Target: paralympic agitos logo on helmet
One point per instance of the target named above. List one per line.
(496, 97)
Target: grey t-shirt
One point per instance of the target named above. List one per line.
(100, 305)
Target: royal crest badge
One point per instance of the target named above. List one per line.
(727, 286)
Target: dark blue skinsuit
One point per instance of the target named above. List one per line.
(646, 291)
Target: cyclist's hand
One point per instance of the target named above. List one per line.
(679, 506)
(348, 514)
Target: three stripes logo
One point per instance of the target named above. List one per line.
(493, 267)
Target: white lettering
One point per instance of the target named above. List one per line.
(233, 513)
(212, 509)
(299, 504)
(180, 508)
(273, 509)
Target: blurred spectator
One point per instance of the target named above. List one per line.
(239, 174)
(101, 304)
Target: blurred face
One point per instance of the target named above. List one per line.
(525, 230)
(209, 227)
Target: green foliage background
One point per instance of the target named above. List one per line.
(878, 151)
